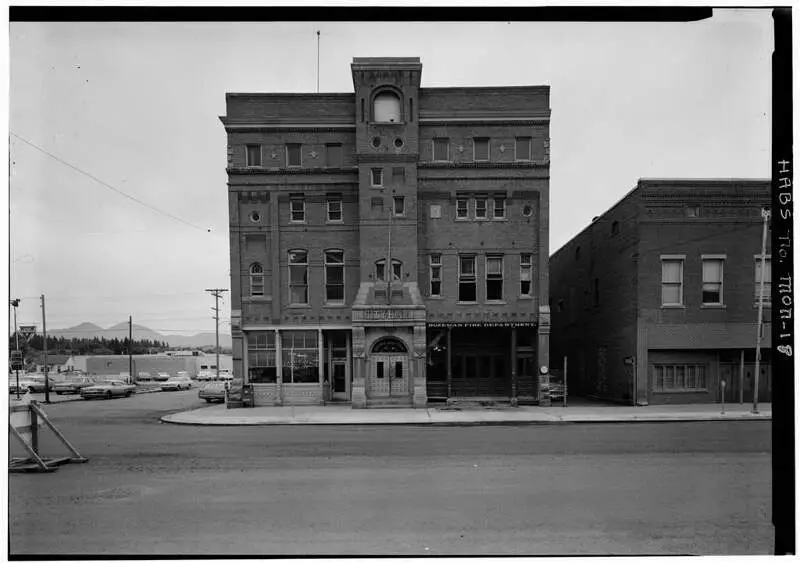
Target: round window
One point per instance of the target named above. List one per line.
(398, 142)
(255, 216)
(527, 210)
(376, 142)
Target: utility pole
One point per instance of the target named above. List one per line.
(765, 214)
(131, 379)
(15, 303)
(317, 61)
(217, 293)
(46, 378)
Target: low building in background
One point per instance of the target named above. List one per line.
(153, 363)
(657, 300)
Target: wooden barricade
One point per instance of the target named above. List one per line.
(26, 418)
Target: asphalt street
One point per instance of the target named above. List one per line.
(160, 489)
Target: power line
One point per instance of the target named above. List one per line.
(105, 184)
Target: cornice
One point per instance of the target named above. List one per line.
(386, 157)
(289, 127)
(495, 165)
(443, 121)
(290, 171)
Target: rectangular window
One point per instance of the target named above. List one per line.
(333, 155)
(298, 277)
(462, 208)
(767, 280)
(523, 148)
(293, 154)
(712, 281)
(679, 378)
(436, 275)
(441, 149)
(480, 207)
(499, 207)
(494, 278)
(398, 369)
(334, 209)
(671, 281)
(376, 177)
(379, 370)
(481, 149)
(334, 276)
(253, 155)
(297, 207)
(300, 355)
(261, 367)
(525, 274)
(399, 206)
(467, 285)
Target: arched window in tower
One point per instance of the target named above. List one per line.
(256, 279)
(386, 108)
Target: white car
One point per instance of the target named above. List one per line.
(176, 384)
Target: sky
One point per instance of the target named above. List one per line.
(137, 105)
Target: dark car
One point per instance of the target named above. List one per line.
(213, 392)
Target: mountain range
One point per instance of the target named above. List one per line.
(120, 331)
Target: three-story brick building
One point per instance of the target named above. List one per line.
(656, 301)
(390, 245)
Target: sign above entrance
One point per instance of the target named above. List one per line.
(457, 324)
(390, 315)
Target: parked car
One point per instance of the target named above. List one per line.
(176, 384)
(213, 392)
(144, 376)
(73, 384)
(27, 385)
(225, 375)
(162, 376)
(108, 390)
(205, 375)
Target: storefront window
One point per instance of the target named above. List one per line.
(261, 357)
(300, 355)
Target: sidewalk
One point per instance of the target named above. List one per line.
(220, 415)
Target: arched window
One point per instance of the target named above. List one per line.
(386, 108)
(256, 279)
(389, 345)
(380, 270)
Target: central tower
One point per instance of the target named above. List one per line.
(387, 151)
(388, 312)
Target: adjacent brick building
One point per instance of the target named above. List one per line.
(389, 246)
(657, 300)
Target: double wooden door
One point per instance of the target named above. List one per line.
(389, 375)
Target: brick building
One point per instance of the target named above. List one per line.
(389, 246)
(657, 299)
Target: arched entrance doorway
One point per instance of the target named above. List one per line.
(388, 373)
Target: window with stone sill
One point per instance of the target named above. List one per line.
(297, 210)
(480, 208)
(334, 277)
(467, 281)
(293, 155)
(481, 149)
(298, 277)
(334, 209)
(436, 275)
(462, 208)
(494, 278)
(767, 280)
(441, 149)
(499, 207)
(253, 155)
(712, 281)
(256, 280)
(526, 275)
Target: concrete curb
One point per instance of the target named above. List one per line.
(177, 418)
